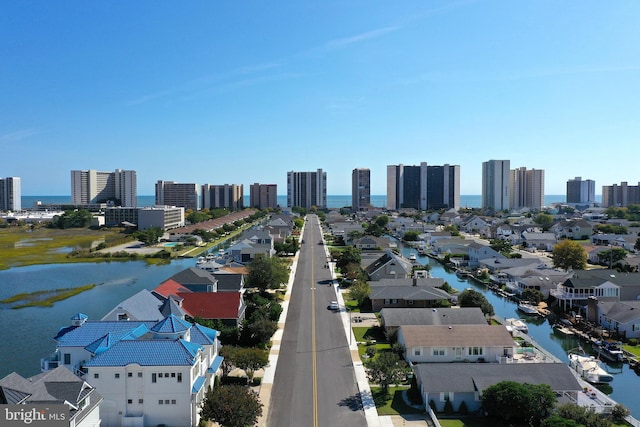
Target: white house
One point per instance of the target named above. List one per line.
(149, 373)
(451, 343)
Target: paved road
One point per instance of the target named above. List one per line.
(315, 382)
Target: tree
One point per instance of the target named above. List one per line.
(385, 369)
(512, 401)
(534, 296)
(410, 236)
(359, 291)
(382, 221)
(569, 254)
(259, 331)
(80, 218)
(472, 298)
(544, 220)
(349, 255)
(250, 360)
(502, 246)
(231, 406)
(150, 236)
(267, 273)
(612, 256)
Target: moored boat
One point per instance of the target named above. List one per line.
(527, 308)
(609, 350)
(517, 324)
(590, 369)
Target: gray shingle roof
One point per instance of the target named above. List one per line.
(470, 377)
(395, 317)
(455, 336)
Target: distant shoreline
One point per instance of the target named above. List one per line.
(333, 201)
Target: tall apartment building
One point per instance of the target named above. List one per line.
(92, 186)
(527, 188)
(229, 196)
(360, 189)
(579, 191)
(423, 187)
(263, 196)
(171, 193)
(496, 184)
(307, 189)
(620, 195)
(10, 194)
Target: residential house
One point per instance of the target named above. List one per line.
(456, 343)
(539, 241)
(603, 284)
(149, 373)
(227, 307)
(478, 251)
(465, 382)
(411, 292)
(392, 318)
(145, 305)
(452, 246)
(56, 387)
(475, 225)
(372, 243)
(575, 229)
(620, 317)
(196, 280)
(252, 243)
(387, 265)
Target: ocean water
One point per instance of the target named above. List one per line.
(333, 201)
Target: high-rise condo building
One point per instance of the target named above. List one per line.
(527, 188)
(263, 196)
(360, 189)
(423, 187)
(92, 186)
(229, 196)
(307, 189)
(171, 193)
(495, 184)
(579, 191)
(10, 194)
(620, 195)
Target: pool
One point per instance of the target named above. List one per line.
(171, 244)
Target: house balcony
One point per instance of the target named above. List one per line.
(568, 296)
(50, 363)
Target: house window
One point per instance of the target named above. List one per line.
(67, 358)
(129, 401)
(117, 375)
(416, 352)
(123, 316)
(475, 351)
(179, 377)
(446, 396)
(173, 401)
(153, 377)
(139, 374)
(410, 302)
(173, 374)
(96, 375)
(141, 401)
(387, 301)
(160, 402)
(394, 301)
(438, 352)
(129, 374)
(635, 327)
(166, 402)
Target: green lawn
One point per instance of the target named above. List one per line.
(392, 403)
(465, 422)
(633, 349)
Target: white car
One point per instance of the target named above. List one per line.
(333, 305)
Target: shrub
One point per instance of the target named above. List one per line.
(463, 410)
(371, 350)
(448, 407)
(633, 341)
(256, 381)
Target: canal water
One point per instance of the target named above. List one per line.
(26, 335)
(625, 384)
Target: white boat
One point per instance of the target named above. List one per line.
(590, 369)
(413, 257)
(564, 330)
(518, 325)
(527, 308)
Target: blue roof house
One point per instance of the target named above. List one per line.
(148, 372)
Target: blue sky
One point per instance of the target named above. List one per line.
(239, 92)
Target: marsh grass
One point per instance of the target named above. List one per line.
(22, 246)
(45, 298)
